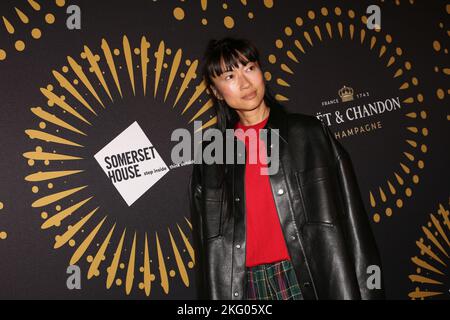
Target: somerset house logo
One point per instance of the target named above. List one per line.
(132, 163)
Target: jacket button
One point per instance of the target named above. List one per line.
(238, 246)
(280, 191)
(236, 294)
(293, 238)
(237, 199)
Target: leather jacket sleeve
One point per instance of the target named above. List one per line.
(195, 196)
(359, 237)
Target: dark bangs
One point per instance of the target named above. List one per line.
(224, 55)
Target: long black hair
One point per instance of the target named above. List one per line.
(221, 56)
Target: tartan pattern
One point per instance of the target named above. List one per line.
(274, 281)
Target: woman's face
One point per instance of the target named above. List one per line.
(242, 88)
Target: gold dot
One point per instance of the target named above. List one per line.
(267, 76)
(42, 125)
(75, 81)
(415, 179)
(272, 59)
(228, 22)
(72, 243)
(116, 52)
(424, 132)
(50, 185)
(399, 51)
(423, 114)
(141, 269)
(440, 93)
(408, 192)
(251, 15)
(415, 81)
(168, 51)
(31, 162)
(38, 149)
(351, 14)
(288, 31)
(172, 273)
(178, 13)
(225, 6)
(1, 205)
(388, 212)
(182, 75)
(20, 45)
(44, 215)
(3, 235)
(299, 21)
(35, 189)
(60, 3)
(418, 270)
(2, 54)
(122, 266)
(337, 11)
(420, 164)
(408, 65)
(423, 148)
(190, 264)
(399, 203)
(311, 14)
(279, 44)
(58, 208)
(118, 282)
(137, 51)
(49, 18)
(165, 65)
(364, 19)
(376, 217)
(324, 11)
(36, 33)
(65, 69)
(89, 259)
(141, 285)
(188, 62)
(152, 277)
(436, 45)
(420, 97)
(268, 3)
(204, 21)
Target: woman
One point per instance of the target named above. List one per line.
(300, 232)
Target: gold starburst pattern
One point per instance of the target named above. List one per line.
(83, 91)
(433, 260)
(336, 23)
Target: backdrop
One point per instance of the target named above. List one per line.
(86, 117)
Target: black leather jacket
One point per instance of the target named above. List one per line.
(322, 216)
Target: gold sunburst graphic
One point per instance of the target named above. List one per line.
(432, 277)
(3, 234)
(82, 92)
(337, 23)
(179, 12)
(441, 69)
(21, 20)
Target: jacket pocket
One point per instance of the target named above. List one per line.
(212, 209)
(318, 191)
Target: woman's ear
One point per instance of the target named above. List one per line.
(216, 93)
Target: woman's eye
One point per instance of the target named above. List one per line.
(228, 77)
(251, 68)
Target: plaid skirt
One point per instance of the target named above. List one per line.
(274, 281)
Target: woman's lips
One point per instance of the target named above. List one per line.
(249, 96)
